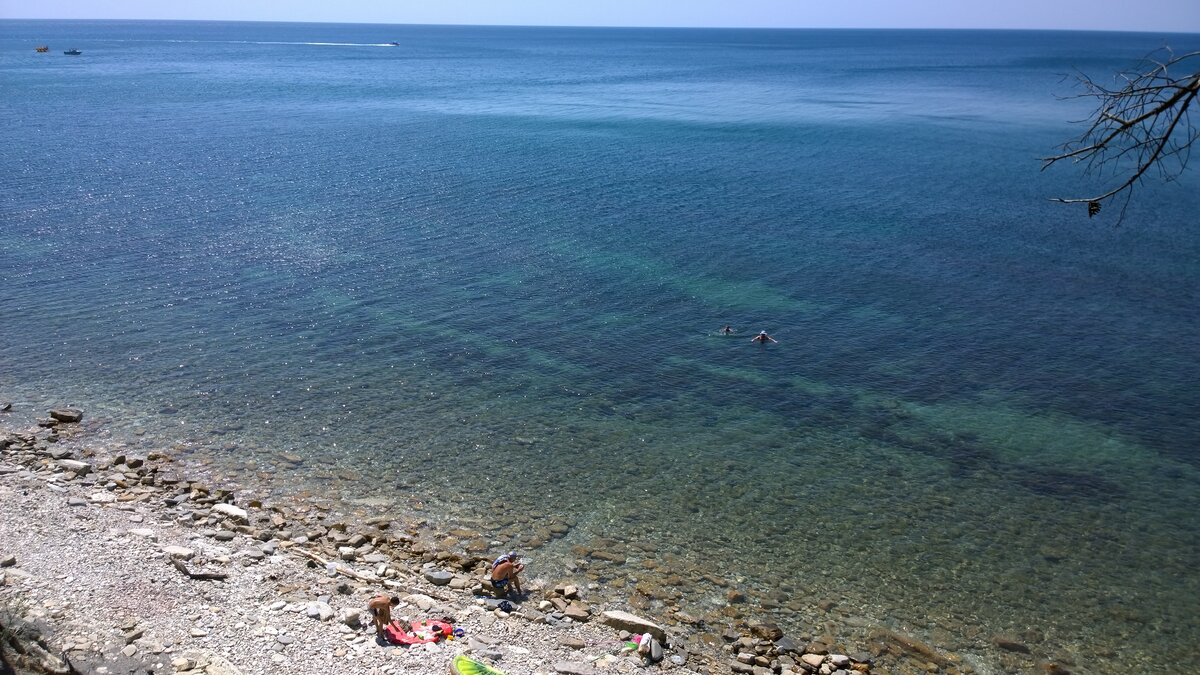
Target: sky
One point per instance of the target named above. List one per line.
(1133, 15)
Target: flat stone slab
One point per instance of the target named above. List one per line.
(632, 623)
(231, 511)
(76, 466)
(438, 577)
(67, 414)
(179, 552)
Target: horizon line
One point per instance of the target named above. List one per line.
(602, 27)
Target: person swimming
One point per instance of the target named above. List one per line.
(763, 338)
(727, 330)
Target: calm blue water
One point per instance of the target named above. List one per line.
(490, 263)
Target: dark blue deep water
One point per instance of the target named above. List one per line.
(490, 263)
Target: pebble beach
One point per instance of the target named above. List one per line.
(129, 564)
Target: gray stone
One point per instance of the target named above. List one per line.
(739, 667)
(68, 415)
(224, 535)
(839, 660)
(231, 511)
(320, 610)
(632, 623)
(8, 561)
(197, 632)
(77, 501)
(438, 577)
(572, 643)
(351, 617)
(75, 466)
(786, 645)
(285, 639)
(181, 552)
(656, 651)
(577, 612)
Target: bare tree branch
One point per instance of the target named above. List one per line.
(1137, 127)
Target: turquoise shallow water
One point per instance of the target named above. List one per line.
(491, 263)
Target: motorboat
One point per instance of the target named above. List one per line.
(72, 52)
(42, 49)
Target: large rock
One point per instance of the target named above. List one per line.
(438, 577)
(767, 631)
(787, 645)
(577, 611)
(320, 610)
(634, 624)
(424, 602)
(352, 617)
(67, 414)
(232, 511)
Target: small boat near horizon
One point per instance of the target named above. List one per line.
(42, 49)
(72, 52)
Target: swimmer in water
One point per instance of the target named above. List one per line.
(763, 338)
(727, 330)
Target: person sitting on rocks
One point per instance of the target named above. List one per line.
(381, 611)
(504, 574)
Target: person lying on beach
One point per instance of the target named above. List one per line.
(763, 338)
(381, 611)
(504, 574)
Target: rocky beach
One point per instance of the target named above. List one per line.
(127, 563)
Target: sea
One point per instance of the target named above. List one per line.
(482, 272)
